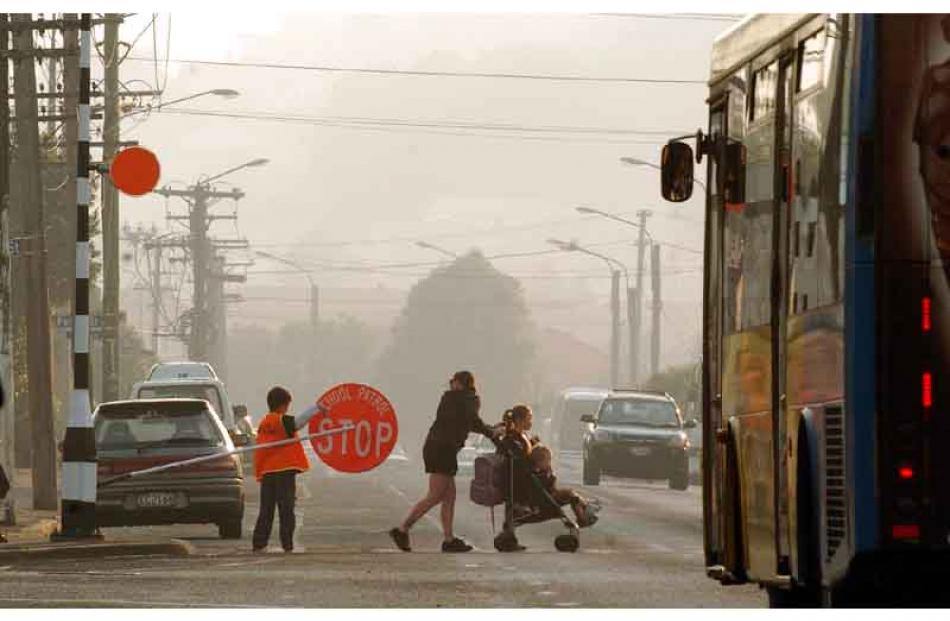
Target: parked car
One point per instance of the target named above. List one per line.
(181, 370)
(134, 435)
(637, 434)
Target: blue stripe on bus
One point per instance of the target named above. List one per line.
(861, 309)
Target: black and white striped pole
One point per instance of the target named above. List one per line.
(79, 445)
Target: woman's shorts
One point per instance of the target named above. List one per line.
(439, 458)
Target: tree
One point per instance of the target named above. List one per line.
(467, 315)
(682, 382)
(295, 357)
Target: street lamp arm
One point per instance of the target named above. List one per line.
(616, 218)
(287, 262)
(257, 162)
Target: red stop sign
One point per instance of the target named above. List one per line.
(374, 432)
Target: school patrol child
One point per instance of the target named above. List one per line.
(276, 468)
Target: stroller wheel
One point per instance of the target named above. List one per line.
(507, 542)
(567, 543)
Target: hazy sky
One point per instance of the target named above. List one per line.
(338, 198)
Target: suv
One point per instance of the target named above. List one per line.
(637, 434)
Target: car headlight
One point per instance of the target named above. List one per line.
(679, 441)
(600, 435)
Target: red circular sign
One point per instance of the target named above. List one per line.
(374, 432)
(134, 171)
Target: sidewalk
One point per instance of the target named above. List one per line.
(29, 538)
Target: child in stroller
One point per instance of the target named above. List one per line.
(526, 498)
(542, 469)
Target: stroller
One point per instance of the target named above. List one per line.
(498, 479)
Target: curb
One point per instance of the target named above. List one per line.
(82, 550)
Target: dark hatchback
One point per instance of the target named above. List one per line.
(134, 435)
(638, 435)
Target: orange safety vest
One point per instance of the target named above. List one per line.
(277, 458)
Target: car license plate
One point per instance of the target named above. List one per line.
(157, 500)
(640, 451)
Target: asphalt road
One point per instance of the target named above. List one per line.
(646, 551)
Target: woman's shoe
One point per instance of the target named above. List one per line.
(456, 545)
(401, 539)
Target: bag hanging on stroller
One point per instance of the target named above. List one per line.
(488, 480)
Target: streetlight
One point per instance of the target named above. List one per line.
(251, 164)
(314, 292)
(429, 246)
(612, 264)
(632, 161)
(227, 93)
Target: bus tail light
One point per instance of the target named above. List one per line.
(905, 531)
(927, 390)
(925, 314)
(905, 472)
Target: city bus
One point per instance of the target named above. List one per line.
(826, 336)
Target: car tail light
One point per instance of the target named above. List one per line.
(905, 472)
(905, 531)
(925, 323)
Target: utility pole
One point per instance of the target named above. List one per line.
(314, 308)
(636, 326)
(198, 196)
(37, 294)
(110, 213)
(614, 328)
(156, 295)
(657, 308)
(7, 411)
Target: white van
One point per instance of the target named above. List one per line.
(212, 390)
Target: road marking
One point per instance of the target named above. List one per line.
(106, 603)
(566, 604)
(546, 593)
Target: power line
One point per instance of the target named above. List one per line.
(427, 124)
(694, 17)
(436, 132)
(420, 73)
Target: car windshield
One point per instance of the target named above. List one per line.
(156, 426)
(652, 413)
(186, 391)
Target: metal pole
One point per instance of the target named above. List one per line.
(614, 327)
(37, 294)
(156, 295)
(110, 214)
(636, 327)
(314, 308)
(631, 343)
(657, 308)
(79, 445)
(197, 349)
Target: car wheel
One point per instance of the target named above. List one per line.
(680, 480)
(591, 473)
(230, 529)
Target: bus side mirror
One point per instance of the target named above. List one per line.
(735, 165)
(676, 171)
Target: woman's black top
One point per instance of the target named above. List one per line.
(456, 417)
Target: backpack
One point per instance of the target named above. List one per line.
(488, 480)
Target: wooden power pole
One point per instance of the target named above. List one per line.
(37, 294)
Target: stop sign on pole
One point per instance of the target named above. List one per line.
(134, 171)
(374, 432)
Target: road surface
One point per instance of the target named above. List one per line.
(646, 551)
